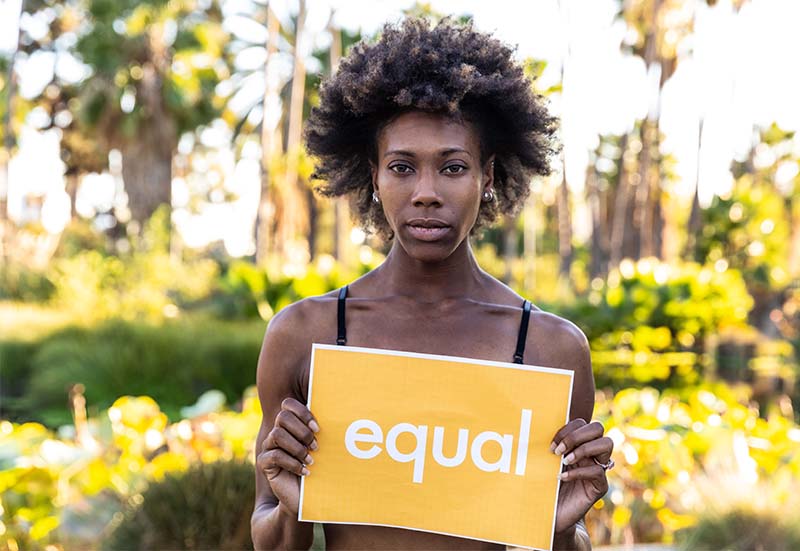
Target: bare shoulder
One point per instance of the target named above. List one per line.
(557, 338)
(557, 342)
(286, 348)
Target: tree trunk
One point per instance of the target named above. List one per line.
(598, 252)
(147, 158)
(529, 243)
(622, 203)
(342, 224)
(71, 187)
(9, 141)
(564, 229)
(509, 248)
(147, 173)
(265, 216)
(295, 209)
(695, 222)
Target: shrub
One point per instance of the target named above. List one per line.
(650, 322)
(741, 530)
(207, 507)
(174, 362)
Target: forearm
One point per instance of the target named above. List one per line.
(574, 539)
(273, 527)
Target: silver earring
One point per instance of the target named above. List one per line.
(375, 198)
(488, 196)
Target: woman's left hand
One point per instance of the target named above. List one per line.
(587, 456)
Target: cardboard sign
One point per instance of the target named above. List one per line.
(435, 443)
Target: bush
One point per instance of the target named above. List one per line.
(741, 530)
(207, 507)
(18, 282)
(682, 453)
(650, 322)
(174, 362)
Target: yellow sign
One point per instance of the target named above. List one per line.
(435, 443)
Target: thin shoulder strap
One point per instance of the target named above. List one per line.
(523, 332)
(341, 339)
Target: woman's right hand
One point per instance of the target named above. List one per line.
(285, 453)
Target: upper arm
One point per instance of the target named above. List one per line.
(580, 360)
(279, 367)
(563, 345)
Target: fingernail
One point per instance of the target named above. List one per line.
(569, 459)
(308, 460)
(561, 448)
(313, 426)
(563, 476)
(552, 447)
(314, 446)
(305, 472)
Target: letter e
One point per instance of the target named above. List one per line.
(352, 437)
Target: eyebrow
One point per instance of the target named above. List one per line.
(442, 153)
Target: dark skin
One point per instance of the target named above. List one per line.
(429, 296)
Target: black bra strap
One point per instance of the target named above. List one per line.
(341, 339)
(523, 332)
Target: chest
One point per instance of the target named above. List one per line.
(473, 332)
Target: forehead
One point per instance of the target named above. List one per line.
(419, 131)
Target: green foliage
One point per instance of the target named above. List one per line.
(19, 282)
(207, 507)
(245, 290)
(173, 361)
(682, 454)
(742, 530)
(747, 230)
(65, 490)
(128, 43)
(649, 322)
(147, 282)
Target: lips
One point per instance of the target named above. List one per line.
(428, 223)
(428, 229)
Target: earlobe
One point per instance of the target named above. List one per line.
(488, 175)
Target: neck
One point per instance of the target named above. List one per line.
(454, 277)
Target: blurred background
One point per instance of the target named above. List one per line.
(156, 209)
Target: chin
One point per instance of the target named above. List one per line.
(430, 252)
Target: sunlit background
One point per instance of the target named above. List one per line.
(156, 210)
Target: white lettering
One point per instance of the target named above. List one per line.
(503, 464)
(522, 444)
(461, 449)
(417, 455)
(352, 437)
(373, 434)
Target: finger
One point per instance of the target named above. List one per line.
(563, 431)
(599, 449)
(276, 460)
(592, 472)
(281, 439)
(579, 434)
(297, 428)
(301, 411)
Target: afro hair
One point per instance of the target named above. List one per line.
(450, 69)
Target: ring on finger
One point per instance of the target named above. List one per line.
(606, 466)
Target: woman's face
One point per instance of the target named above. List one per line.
(430, 182)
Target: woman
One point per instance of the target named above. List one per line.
(433, 133)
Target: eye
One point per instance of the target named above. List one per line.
(401, 168)
(454, 169)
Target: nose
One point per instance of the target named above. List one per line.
(426, 191)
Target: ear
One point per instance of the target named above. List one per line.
(488, 174)
(374, 175)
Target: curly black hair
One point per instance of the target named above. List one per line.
(451, 69)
